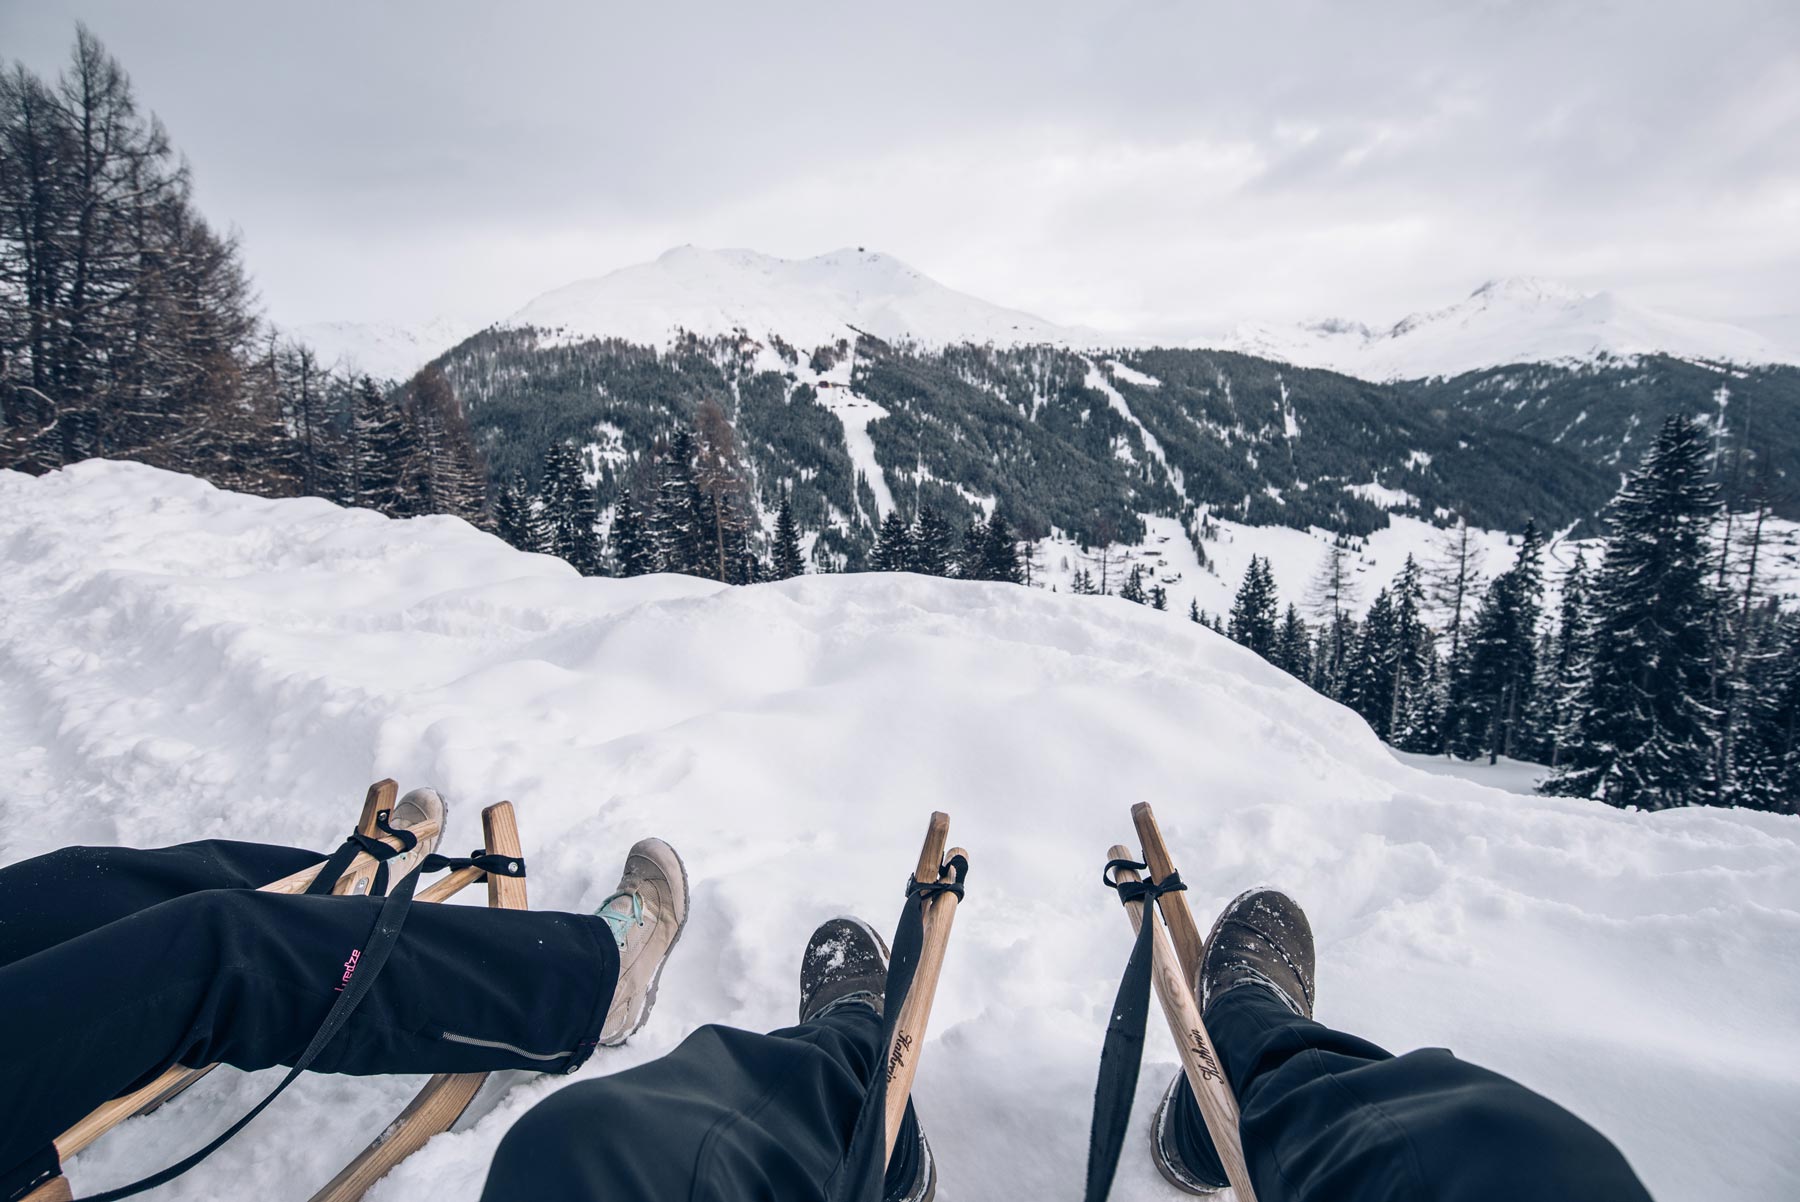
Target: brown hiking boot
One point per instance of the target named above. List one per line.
(646, 914)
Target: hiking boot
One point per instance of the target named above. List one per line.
(1262, 939)
(416, 808)
(846, 964)
(646, 914)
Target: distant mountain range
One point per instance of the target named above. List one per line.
(1506, 322)
(814, 302)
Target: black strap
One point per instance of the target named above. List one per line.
(357, 843)
(382, 937)
(1123, 1052)
(859, 1176)
(492, 863)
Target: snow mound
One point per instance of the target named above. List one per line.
(382, 349)
(184, 663)
(808, 302)
(1517, 320)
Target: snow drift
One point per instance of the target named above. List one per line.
(182, 663)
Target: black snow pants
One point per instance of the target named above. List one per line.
(729, 1116)
(116, 964)
(1328, 1117)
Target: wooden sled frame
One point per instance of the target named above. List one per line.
(915, 1015)
(1173, 972)
(438, 1103)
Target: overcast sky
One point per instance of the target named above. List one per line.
(1167, 167)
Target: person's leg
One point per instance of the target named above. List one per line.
(56, 897)
(729, 1115)
(245, 978)
(1328, 1117)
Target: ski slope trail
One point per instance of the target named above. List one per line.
(182, 663)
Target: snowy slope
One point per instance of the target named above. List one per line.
(1506, 321)
(183, 663)
(809, 302)
(381, 349)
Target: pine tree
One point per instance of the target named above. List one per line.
(678, 520)
(1565, 669)
(974, 542)
(1133, 588)
(571, 511)
(1194, 610)
(1491, 691)
(893, 544)
(375, 451)
(1369, 681)
(445, 470)
(633, 548)
(1159, 597)
(1454, 581)
(512, 516)
(1642, 734)
(786, 562)
(931, 544)
(1000, 553)
(1255, 610)
(1293, 646)
(1414, 647)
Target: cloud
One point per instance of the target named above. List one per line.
(1164, 165)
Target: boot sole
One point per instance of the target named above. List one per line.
(1186, 1186)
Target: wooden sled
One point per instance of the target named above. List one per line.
(1173, 972)
(438, 1103)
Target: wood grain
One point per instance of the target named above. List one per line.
(915, 1014)
(1190, 947)
(1199, 1059)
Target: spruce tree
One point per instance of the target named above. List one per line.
(1159, 597)
(1194, 610)
(1000, 553)
(893, 544)
(1642, 734)
(1369, 680)
(633, 548)
(974, 542)
(1565, 668)
(931, 544)
(512, 516)
(786, 562)
(1293, 645)
(1133, 588)
(1254, 612)
(678, 520)
(374, 451)
(1413, 648)
(570, 511)
(1491, 693)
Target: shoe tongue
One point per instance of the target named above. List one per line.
(619, 903)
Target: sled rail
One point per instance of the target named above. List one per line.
(939, 913)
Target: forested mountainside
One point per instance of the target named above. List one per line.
(1608, 411)
(1083, 442)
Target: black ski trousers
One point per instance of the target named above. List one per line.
(728, 1116)
(1328, 1117)
(116, 964)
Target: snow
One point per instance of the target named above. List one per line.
(1097, 379)
(1376, 493)
(183, 663)
(809, 302)
(1515, 320)
(384, 350)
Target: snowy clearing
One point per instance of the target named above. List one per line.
(184, 663)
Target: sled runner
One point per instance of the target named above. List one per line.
(442, 1099)
(1171, 960)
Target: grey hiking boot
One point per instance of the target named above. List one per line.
(1261, 939)
(846, 964)
(646, 914)
(416, 808)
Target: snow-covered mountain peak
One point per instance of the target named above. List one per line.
(807, 302)
(1515, 319)
(385, 350)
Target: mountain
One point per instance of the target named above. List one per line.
(1505, 322)
(381, 349)
(807, 303)
(790, 739)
